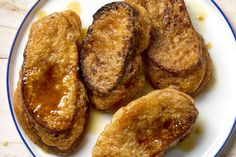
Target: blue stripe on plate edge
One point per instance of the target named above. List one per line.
(7, 79)
(234, 34)
(8, 69)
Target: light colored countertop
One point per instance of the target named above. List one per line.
(11, 15)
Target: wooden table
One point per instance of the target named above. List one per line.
(11, 15)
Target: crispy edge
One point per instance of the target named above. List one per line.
(154, 29)
(142, 27)
(128, 88)
(29, 128)
(29, 124)
(74, 21)
(208, 74)
(122, 112)
(129, 52)
(151, 70)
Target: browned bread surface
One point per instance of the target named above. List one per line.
(148, 126)
(109, 46)
(176, 56)
(61, 144)
(110, 54)
(50, 100)
(175, 46)
(124, 93)
(190, 83)
(208, 72)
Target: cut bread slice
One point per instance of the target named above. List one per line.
(148, 126)
(111, 43)
(176, 56)
(190, 83)
(175, 46)
(50, 100)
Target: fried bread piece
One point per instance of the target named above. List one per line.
(148, 126)
(176, 56)
(116, 38)
(190, 83)
(110, 44)
(50, 100)
(175, 45)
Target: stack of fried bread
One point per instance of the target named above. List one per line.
(125, 41)
(50, 100)
(177, 56)
(110, 54)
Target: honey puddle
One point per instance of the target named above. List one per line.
(41, 14)
(74, 6)
(5, 143)
(96, 121)
(208, 45)
(191, 142)
(198, 14)
(83, 32)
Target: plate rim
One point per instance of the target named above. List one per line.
(8, 70)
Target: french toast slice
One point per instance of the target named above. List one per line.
(176, 56)
(111, 54)
(175, 46)
(148, 126)
(50, 100)
(111, 43)
(191, 83)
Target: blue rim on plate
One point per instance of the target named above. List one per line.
(8, 69)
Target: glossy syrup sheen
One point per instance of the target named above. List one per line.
(83, 32)
(47, 93)
(208, 45)
(49, 89)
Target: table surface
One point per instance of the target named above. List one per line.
(11, 15)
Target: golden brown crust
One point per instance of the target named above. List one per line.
(176, 56)
(142, 28)
(124, 93)
(187, 83)
(208, 74)
(175, 45)
(120, 96)
(70, 139)
(148, 126)
(50, 68)
(111, 43)
(108, 47)
(191, 83)
(50, 100)
(111, 54)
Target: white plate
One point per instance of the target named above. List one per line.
(217, 105)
